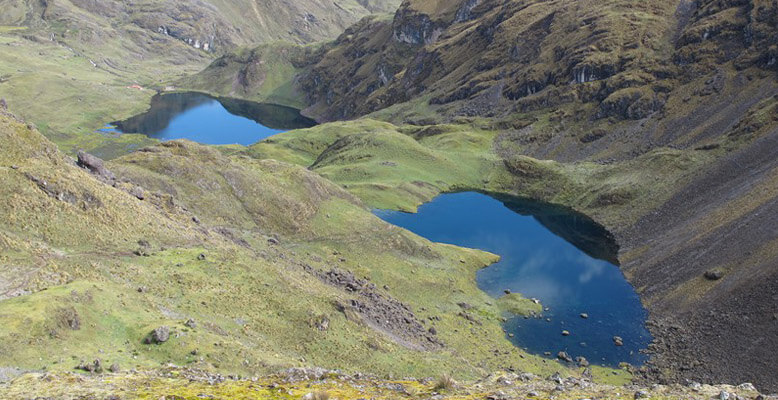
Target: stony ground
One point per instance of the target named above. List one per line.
(318, 384)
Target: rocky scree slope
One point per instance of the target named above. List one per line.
(659, 118)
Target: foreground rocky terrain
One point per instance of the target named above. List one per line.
(179, 383)
(657, 119)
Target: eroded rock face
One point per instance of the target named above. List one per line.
(465, 11)
(418, 29)
(487, 57)
(380, 311)
(630, 104)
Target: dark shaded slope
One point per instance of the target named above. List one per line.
(723, 221)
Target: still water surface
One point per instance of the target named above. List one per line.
(209, 120)
(559, 257)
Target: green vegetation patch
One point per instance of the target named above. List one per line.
(516, 304)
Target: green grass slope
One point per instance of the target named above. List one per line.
(240, 246)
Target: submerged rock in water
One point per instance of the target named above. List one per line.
(562, 355)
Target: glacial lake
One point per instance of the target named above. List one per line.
(205, 119)
(559, 257)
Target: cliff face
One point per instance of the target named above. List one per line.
(520, 56)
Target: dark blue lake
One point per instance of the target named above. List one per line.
(559, 257)
(210, 120)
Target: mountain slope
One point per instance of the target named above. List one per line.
(215, 25)
(71, 67)
(655, 118)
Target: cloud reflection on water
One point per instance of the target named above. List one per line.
(537, 263)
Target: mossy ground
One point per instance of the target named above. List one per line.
(515, 303)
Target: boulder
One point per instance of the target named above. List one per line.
(96, 366)
(95, 166)
(138, 192)
(159, 335)
(618, 341)
(747, 387)
(714, 274)
(562, 355)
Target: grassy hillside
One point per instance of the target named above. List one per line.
(67, 65)
(657, 119)
(248, 263)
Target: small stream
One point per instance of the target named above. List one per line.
(559, 257)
